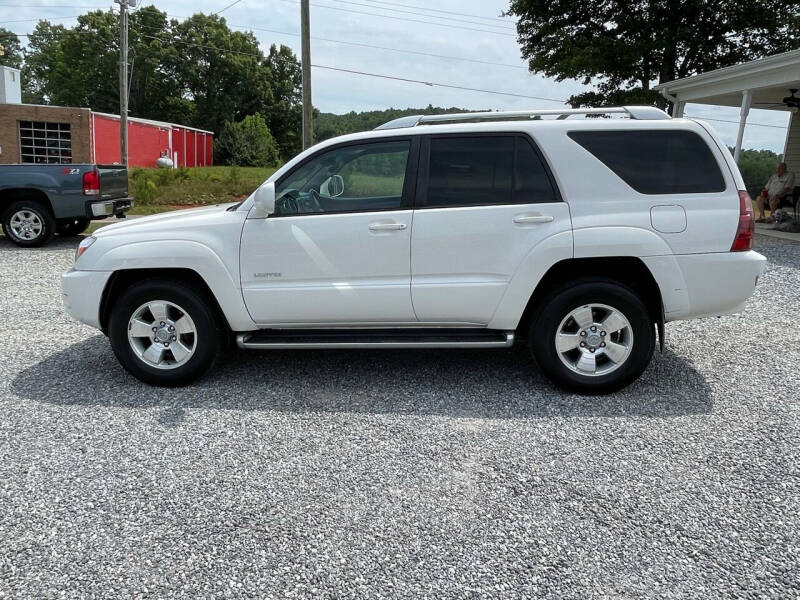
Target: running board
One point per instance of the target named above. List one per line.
(286, 339)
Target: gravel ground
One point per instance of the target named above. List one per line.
(398, 474)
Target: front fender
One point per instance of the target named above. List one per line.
(183, 254)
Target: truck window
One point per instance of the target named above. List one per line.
(531, 181)
(468, 171)
(656, 161)
(485, 170)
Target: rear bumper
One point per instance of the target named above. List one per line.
(81, 292)
(100, 209)
(716, 284)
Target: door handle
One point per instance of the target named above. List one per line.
(386, 226)
(522, 219)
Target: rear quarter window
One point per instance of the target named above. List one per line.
(656, 161)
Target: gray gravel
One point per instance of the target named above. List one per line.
(398, 474)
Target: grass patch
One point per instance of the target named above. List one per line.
(156, 190)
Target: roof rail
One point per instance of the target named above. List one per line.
(633, 112)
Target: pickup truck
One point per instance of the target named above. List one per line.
(37, 201)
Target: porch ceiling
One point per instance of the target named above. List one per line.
(769, 80)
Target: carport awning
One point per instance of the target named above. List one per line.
(758, 84)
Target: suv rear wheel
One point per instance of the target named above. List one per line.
(28, 223)
(593, 336)
(165, 333)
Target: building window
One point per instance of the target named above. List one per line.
(45, 142)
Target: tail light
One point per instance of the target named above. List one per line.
(91, 183)
(747, 225)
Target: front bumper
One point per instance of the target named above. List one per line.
(81, 292)
(100, 209)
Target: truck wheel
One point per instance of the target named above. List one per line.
(28, 223)
(593, 336)
(165, 333)
(69, 227)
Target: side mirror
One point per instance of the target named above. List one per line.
(264, 201)
(336, 186)
(333, 186)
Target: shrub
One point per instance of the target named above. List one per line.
(248, 143)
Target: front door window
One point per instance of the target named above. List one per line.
(353, 178)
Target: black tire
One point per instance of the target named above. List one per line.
(70, 227)
(195, 302)
(597, 291)
(45, 225)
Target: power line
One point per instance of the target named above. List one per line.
(49, 6)
(361, 12)
(411, 12)
(395, 78)
(735, 122)
(39, 19)
(363, 45)
(435, 84)
(447, 12)
(352, 71)
(234, 3)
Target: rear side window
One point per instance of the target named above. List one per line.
(481, 170)
(531, 181)
(656, 161)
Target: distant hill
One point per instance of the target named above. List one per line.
(328, 125)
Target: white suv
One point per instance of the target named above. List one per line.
(578, 236)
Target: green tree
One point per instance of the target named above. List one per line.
(221, 71)
(284, 109)
(42, 59)
(76, 67)
(12, 55)
(624, 46)
(155, 91)
(247, 143)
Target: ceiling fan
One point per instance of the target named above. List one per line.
(789, 101)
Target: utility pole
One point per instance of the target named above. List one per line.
(305, 57)
(123, 79)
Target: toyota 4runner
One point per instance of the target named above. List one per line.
(578, 236)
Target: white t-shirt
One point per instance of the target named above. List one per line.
(777, 183)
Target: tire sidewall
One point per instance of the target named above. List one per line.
(48, 223)
(197, 306)
(557, 307)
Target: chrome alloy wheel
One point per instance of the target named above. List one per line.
(162, 334)
(594, 340)
(26, 224)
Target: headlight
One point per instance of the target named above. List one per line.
(84, 246)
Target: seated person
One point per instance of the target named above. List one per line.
(778, 187)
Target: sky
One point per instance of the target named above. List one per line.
(454, 29)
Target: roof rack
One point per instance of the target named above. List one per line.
(633, 112)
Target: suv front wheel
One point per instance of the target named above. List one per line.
(593, 336)
(164, 332)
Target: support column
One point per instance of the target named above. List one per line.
(677, 109)
(747, 99)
